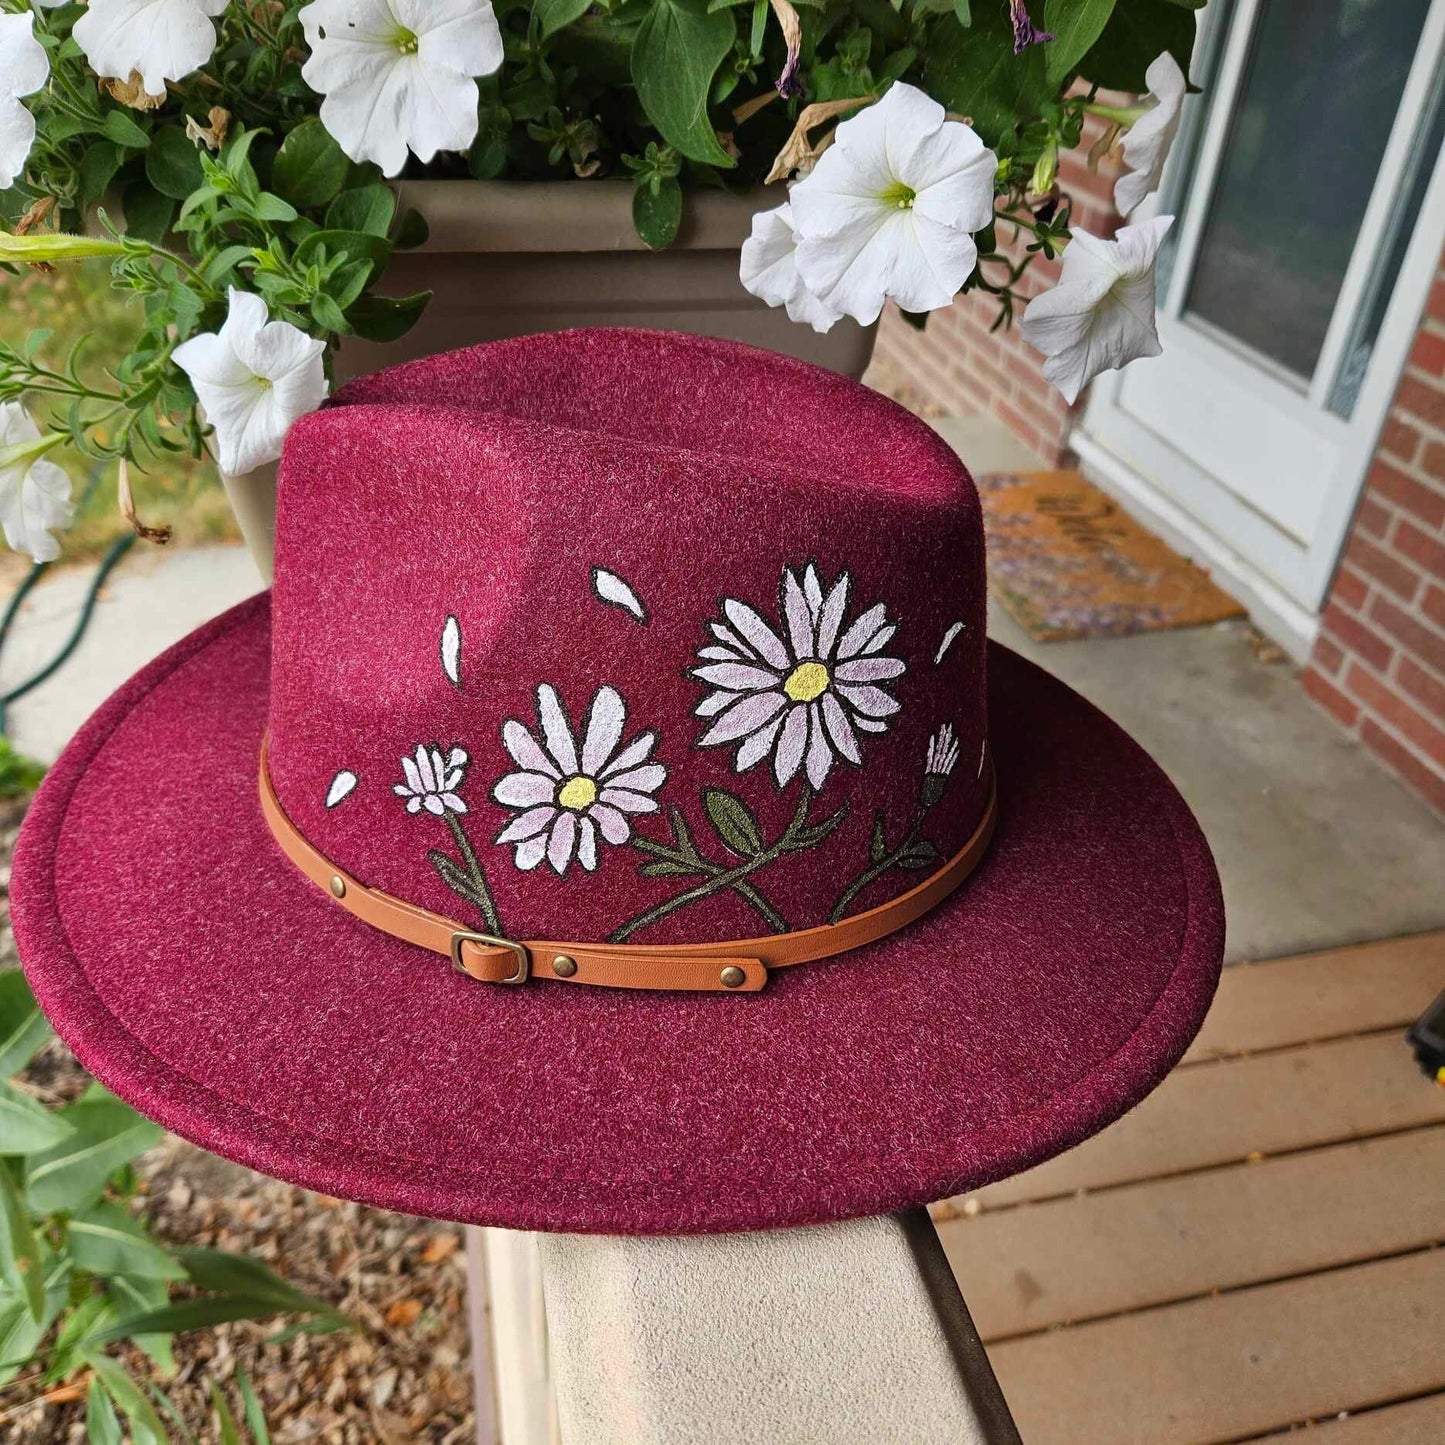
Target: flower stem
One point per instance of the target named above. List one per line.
(475, 874)
(876, 870)
(726, 878)
(742, 887)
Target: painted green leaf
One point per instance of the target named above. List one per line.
(310, 168)
(173, 165)
(657, 215)
(678, 48)
(732, 822)
(878, 843)
(23, 1028)
(921, 854)
(975, 72)
(73, 1175)
(552, 15)
(106, 1240)
(1137, 32)
(1075, 26)
(27, 1127)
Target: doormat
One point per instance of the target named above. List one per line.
(1067, 562)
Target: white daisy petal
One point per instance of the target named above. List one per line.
(757, 633)
(880, 639)
(949, 638)
(526, 825)
(341, 787)
(813, 589)
(413, 777)
(831, 617)
(587, 844)
(791, 745)
(646, 779)
(611, 589)
(820, 755)
(737, 676)
(453, 803)
(801, 634)
(840, 730)
(525, 752)
(524, 790)
(756, 747)
(555, 729)
(611, 822)
(451, 647)
(858, 636)
(715, 702)
(628, 801)
(530, 852)
(868, 669)
(561, 842)
(604, 730)
(869, 700)
(636, 752)
(433, 804)
(751, 712)
(429, 780)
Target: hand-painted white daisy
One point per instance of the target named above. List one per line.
(804, 699)
(432, 780)
(568, 796)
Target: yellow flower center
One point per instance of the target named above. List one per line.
(405, 41)
(578, 793)
(807, 681)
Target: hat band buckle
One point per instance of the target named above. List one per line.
(519, 951)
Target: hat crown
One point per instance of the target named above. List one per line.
(627, 635)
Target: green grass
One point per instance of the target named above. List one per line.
(175, 492)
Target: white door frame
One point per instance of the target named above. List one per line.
(1288, 612)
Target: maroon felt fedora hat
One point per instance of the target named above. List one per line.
(646, 677)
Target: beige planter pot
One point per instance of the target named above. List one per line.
(508, 258)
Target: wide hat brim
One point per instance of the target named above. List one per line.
(202, 979)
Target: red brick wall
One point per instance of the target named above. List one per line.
(1379, 663)
(959, 367)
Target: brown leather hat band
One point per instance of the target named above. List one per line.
(738, 966)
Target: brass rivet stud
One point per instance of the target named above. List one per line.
(563, 966)
(732, 977)
(338, 886)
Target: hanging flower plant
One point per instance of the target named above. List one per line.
(232, 159)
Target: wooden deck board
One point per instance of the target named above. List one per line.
(1235, 1365)
(1318, 996)
(1222, 1112)
(1414, 1422)
(1152, 1243)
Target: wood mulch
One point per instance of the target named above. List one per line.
(403, 1375)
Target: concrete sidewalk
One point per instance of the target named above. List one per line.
(1317, 845)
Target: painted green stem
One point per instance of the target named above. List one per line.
(742, 887)
(475, 873)
(727, 877)
(876, 870)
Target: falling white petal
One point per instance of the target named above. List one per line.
(341, 787)
(611, 589)
(949, 638)
(452, 650)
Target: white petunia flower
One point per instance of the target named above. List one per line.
(1146, 143)
(160, 40)
(254, 377)
(891, 207)
(432, 780)
(804, 699)
(769, 269)
(1101, 314)
(397, 74)
(568, 796)
(24, 69)
(34, 493)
